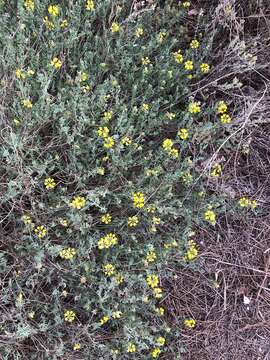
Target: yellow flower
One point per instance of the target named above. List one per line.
(210, 216)
(116, 314)
(26, 219)
(126, 141)
(157, 292)
(145, 107)
(138, 200)
(155, 353)
(119, 278)
(174, 153)
(82, 76)
(63, 24)
(192, 252)
(106, 219)
(194, 108)
(115, 27)
(48, 23)
(183, 134)
(56, 63)
(108, 142)
(90, 5)
(133, 221)
(151, 256)
(78, 202)
(178, 57)
(243, 202)
(194, 44)
(139, 32)
(67, 254)
(186, 4)
(188, 65)
(156, 220)
(205, 68)
(253, 204)
(27, 103)
(103, 132)
(151, 208)
(145, 60)
(107, 116)
(29, 5)
(107, 241)
(53, 10)
(101, 171)
(222, 107)
(114, 351)
(170, 115)
(131, 348)
(109, 269)
(69, 315)
(167, 144)
(161, 36)
(77, 346)
(49, 183)
(161, 341)
(152, 280)
(20, 74)
(104, 320)
(216, 170)
(160, 311)
(225, 119)
(63, 222)
(40, 231)
(190, 323)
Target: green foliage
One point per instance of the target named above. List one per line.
(57, 137)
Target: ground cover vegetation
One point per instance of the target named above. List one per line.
(132, 180)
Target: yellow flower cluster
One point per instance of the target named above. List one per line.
(103, 132)
(186, 4)
(194, 44)
(245, 202)
(107, 241)
(145, 60)
(155, 353)
(69, 316)
(145, 107)
(153, 281)
(133, 221)
(115, 27)
(26, 219)
(138, 200)
(161, 36)
(77, 346)
(107, 116)
(104, 320)
(67, 254)
(190, 323)
(109, 269)
(27, 103)
(48, 23)
(216, 170)
(178, 57)
(22, 74)
(126, 141)
(151, 256)
(90, 5)
(53, 10)
(170, 115)
(205, 68)
(56, 63)
(40, 231)
(29, 5)
(222, 109)
(192, 251)
(183, 134)
(170, 245)
(139, 32)
(168, 147)
(210, 216)
(188, 65)
(78, 202)
(160, 311)
(194, 108)
(106, 219)
(49, 183)
(131, 348)
(161, 341)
